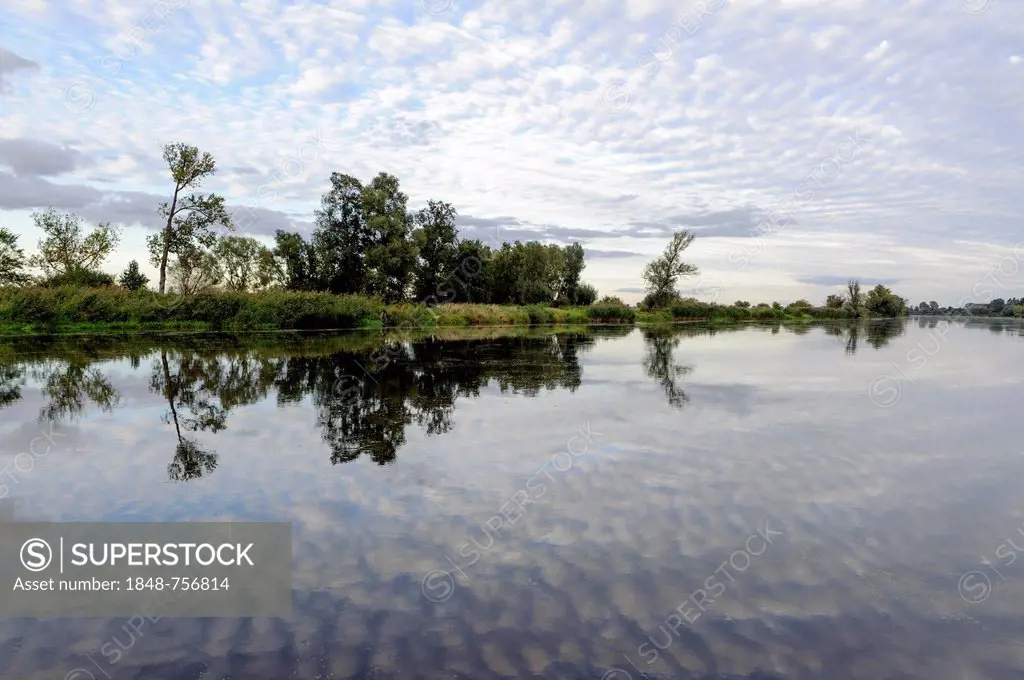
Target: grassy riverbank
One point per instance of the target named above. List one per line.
(114, 310)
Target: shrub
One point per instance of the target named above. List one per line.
(611, 313)
(585, 294)
(79, 277)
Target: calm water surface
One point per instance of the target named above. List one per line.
(763, 502)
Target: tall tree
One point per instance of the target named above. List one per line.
(12, 260)
(473, 280)
(572, 269)
(854, 298)
(662, 274)
(66, 248)
(341, 237)
(190, 218)
(391, 257)
(296, 260)
(436, 240)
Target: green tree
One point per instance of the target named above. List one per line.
(66, 248)
(132, 278)
(247, 264)
(194, 270)
(296, 260)
(391, 255)
(882, 301)
(662, 274)
(834, 301)
(569, 278)
(340, 239)
(934, 306)
(12, 260)
(436, 240)
(191, 218)
(743, 304)
(996, 306)
(473, 280)
(854, 299)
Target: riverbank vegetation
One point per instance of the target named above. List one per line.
(368, 261)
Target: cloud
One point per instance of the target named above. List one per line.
(10, 63)
(37, 158)
(631, 289)
(129, 208)
(502, 109)
(827, 280)
(739, 222)
(610, 254)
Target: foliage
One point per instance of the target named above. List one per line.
(391, 254)
(132, 278)
(436, 239)
(662, 274)
(194, 270)
(295, 261)
(80, 277)
(586, 294)
(12, 260)
(191, 218)
(854, 300)
(268, 310)
(881, 301)
(66, 248)
(247, 265)
(570, 268)
(610, 312)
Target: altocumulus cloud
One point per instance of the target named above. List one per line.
(496, 107)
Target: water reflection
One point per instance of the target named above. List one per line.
(362, 404)
(661, 364)
(705, 435)
(877, 333)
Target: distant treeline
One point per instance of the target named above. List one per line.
(365, 243)
(997, 307)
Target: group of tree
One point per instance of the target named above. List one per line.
(997, 307)
(366, 240)
(879, 301)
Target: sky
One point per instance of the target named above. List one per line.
(804, 142)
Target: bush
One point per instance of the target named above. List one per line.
(611, 313)
(540, 315)
(691, 309)
(238, 311)
(79, 278)
(585, 294)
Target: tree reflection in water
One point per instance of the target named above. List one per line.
(661, 365)
(364, 394)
